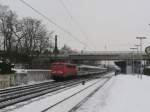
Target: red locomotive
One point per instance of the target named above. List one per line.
(61, 70)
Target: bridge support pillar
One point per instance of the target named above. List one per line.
(129, 66)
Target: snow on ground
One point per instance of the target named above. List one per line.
(123, 93)
(42, 104)
(67, 105)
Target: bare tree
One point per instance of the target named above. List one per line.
(7, 27)
(26, 37)
(35, 36)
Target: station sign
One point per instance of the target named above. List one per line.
(147, 50)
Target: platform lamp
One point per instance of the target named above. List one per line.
(136, 45)
(141, 38)
(138, 67)
(133, 48)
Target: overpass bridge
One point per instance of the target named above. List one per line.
(127, 57)
(104, 55)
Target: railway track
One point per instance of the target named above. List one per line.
(15, 95)
(74, 108)
(18, 88)
(24, 95)
(55, 107)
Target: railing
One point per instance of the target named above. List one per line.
(32, 75)
(101, 55)
(108, 52)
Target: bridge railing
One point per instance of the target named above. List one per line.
(109, 52)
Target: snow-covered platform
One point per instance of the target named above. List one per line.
(123, 93)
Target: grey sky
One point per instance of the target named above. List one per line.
(111, 23)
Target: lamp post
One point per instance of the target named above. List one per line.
(136, 45)
(138, 62)
(133, 48)
(141, 38)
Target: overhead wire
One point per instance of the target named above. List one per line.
(52, 22)
(77, 23)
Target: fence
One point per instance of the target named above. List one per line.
(23, 77)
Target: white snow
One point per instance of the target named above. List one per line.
(124, 93)
(71, 102)
(42, 104)
(20, 71)
(30, 70)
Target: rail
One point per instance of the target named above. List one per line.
(12, 96)
(77, 93)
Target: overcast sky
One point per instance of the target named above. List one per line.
(108, 24)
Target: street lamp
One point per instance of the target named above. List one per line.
(138, 62)
(141, 38)
(133, 48)
(136, 45)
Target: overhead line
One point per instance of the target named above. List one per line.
(68, 12)
(51, 21)
(74, 20)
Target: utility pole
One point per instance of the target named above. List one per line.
(133, 59)
(138, 65)
(136, 45)
(141, 38)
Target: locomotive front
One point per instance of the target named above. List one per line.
(61, 70)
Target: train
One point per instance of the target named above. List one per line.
(62, 70)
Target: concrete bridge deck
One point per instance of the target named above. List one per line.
(103, 56)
